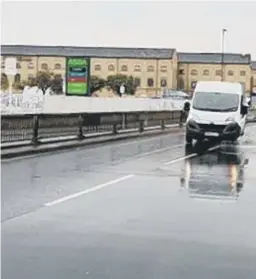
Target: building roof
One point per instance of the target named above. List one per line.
(213, 58)
(253, 65)
(104, 52)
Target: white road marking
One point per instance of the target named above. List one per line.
(181, 159)
(160, 150)
(90, 190)
(189, 156)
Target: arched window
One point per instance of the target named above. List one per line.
(137, 81)
(111, 68)
(137, 68)
(206, 72)
(124, 68)
(3, 77)
(44, 66)
(150, 68)
(163, 82)
(57, 66)
(17, 78)
(18, 66)
(218, 72)
(150, 82)
(4, 81)
(163, 68)
(30, 65)
(97, 67)
(194, 72)
(30, 76)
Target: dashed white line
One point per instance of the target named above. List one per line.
(181, 159)
(90, 190)
(159, 150)
(189, 156)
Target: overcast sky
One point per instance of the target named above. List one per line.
(186, 26)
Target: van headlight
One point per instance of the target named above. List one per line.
(230, 119)
(194, 117)
(191, 124)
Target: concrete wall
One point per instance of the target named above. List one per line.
(16, 104)
(63, 104)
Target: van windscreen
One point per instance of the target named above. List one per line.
(212, 101)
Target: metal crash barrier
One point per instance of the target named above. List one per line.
(33, 128)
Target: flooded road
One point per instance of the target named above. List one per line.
(149, 208)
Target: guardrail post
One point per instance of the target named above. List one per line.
(80, 127)
(162, 124)
(123, 121)
(114, 129)
(35, 129)
(141, 127)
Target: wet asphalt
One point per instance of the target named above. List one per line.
(146, 208)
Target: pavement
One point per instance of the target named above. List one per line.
(145, 208)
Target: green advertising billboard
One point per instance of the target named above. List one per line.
(77, 76)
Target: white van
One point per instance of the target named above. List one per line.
(218, 111)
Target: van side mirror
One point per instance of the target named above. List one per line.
(186, 106)
(244, 110)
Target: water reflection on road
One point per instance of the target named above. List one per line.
(214, 175)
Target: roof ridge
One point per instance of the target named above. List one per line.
(98, 51)
(87, 47)
(218, 53)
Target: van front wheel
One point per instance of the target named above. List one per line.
(188, 140)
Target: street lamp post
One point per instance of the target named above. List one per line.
(222, 53)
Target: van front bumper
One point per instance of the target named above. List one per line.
(198, 131)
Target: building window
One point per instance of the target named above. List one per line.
(57, 66)
(124, 68)
(44, 67)
(181, 71)
(137, 81)
(30, 76)
(163, 68)
(194, 72)
(111, 68)
(30, 65)
(150, 82)
(218, 72)
(230, 73)
(18, 66)
(163, 82)
(137, 68)
(151, 68)
(17, 78)
(206, 72)
(2, 64)
(97, 67)
(242, 73)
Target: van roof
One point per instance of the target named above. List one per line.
(219, 86)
